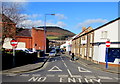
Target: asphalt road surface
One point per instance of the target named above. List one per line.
(62, 69)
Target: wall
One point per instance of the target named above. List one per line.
(7, 44)
(24, 41)
(38, 37)
(68, 45)
(21, 45)
(112, 34)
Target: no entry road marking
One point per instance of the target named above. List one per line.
(55, 68)
(81, 69)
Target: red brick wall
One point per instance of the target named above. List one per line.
(38, 39)
(27, 40)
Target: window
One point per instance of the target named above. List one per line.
(85, 51)
(90, 54)
(80, 51)
(91, 38)
(104, 34)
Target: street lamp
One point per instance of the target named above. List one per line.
(45, 29)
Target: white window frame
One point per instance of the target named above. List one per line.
(90, 54)
(104, 34)
(91, 37)
(80, 51)
(85, 51)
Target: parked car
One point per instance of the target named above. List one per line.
(62, 51)
(25, 50)
(53, 53)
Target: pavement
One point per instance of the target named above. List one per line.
(32, 67)
(90, 64)
(27, 68)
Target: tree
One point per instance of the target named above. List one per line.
(13, 11)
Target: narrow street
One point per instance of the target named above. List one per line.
(60, 42)
(62, 69)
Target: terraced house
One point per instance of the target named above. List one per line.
(82, 44)
(90, 44)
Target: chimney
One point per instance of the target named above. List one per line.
(83, 28)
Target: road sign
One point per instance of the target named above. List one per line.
(107, 43)
(13, 43)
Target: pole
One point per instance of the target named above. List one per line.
(13, 57)
(45, 33)
(106, 58)
(45, 29)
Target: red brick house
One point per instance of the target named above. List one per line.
(7, 27)
(33, 38)
(27, 38)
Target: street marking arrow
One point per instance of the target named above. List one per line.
(55, 68)
(83, 69)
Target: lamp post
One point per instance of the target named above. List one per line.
(45, 29)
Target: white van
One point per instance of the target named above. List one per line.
(25, 50)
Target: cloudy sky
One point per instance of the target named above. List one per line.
(69, 15)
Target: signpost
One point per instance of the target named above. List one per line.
(107, 44)
(106, 58)
(14, 44)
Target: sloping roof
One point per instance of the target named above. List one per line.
(37, 28)
(99, 27)
(24, 32)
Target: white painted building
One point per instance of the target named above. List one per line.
(7, 44)
(101, 34)
(68, 45)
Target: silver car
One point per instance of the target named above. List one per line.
(53, 53)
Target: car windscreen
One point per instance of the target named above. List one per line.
(53, 51)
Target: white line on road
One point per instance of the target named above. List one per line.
(103, 77)
(63, 61)
(24, 75)
(89, 76)
(11, 74)
(65, 65)
(70, 61)
(50, 75)
(69, 73)
(36, 75)
(60, 79)
(73, 75)
(81, 69)
(62, 75)
(55, 68)
(77, 76)
(117, 78)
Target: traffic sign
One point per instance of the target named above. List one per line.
(13, 43)
(107, 43)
